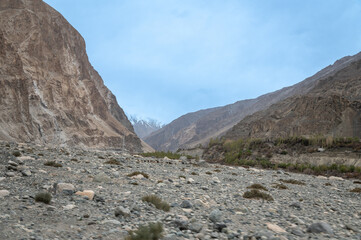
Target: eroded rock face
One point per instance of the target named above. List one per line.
(49, 91)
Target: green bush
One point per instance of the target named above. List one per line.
(17, 154)
(53, 164)
(153, 231)
(292, 181)
(162, 154)
(113, 162)
(257, 186)
(44, 197)
(157, 202)
(256, 194)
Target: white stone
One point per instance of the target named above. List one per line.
(69, 207)
(321, 177)
(64, 186)
(4, 193)
(336, 178)
(275, 228)
(26, 158)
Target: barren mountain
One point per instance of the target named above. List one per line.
(332, 107)
(50, 93)
(186, 132)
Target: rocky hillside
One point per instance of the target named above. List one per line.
(331, 107)
(50, 93)
(143, 128)
(187, 132)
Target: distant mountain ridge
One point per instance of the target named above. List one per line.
(210, 123)
(144, 127)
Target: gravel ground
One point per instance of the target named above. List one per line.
(95, 200)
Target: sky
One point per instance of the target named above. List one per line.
(166, 58)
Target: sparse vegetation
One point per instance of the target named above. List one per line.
(74, 160)
(53, 164)
(280, 186)
(292, 181)
(17, 153)
(256, 194)
(113, 162)
(153, 231)
(138, 173)
(209, 173)
(157, 202)
(44, 197)
(357, 182)
(258, 186)
(217, 170)
(194, 173)
(258, 152)
(356, 190)
(181, 176)
(168, 154)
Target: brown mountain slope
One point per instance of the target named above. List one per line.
(332, 107)
(49, 92)
(212, 123)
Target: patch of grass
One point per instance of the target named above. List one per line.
(17, 154)
(257, 186)
(234, 174)
(194, 173)
(292, 181)
(280, 186)
(44, 197)
(161, 154)
(74, 160)
(356, 190)
(256, 194)
(138, 173)
(217, 170)
(53, 164)
(209, 173)
(113, 162)
(157, 202)
(153, 231)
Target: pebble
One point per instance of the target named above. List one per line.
(4, 193)
(89, 194)
(320, 227)
(275, 228)
(215, 216)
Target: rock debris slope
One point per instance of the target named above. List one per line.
(49, 91)
(331, 107)
(95, 200)
(186, 132)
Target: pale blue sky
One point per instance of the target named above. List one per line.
(165, 58)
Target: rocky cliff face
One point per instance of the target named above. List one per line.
(186, 132)
(331, 107)
(49, 91)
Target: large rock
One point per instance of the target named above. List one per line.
(49, 91)
(320, 227)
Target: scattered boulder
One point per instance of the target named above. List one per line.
(87, 193)
(65, 188)
(320, 227)
(215, 216)
(122, 212)
(4, 193)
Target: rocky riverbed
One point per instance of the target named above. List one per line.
(94, 198)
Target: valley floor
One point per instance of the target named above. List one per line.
(206, 200)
